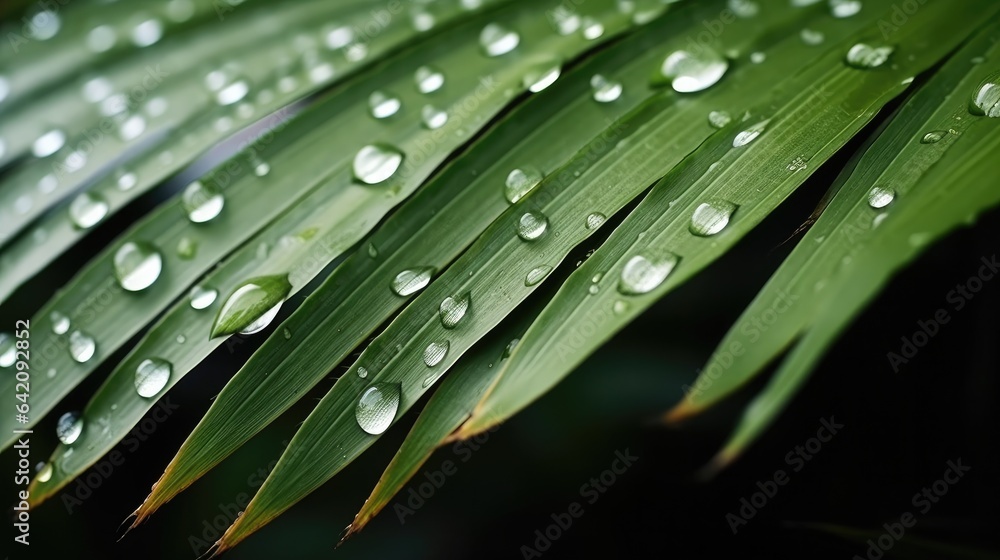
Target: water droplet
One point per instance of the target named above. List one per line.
(540, 78)
(45, 473)
(428, 79)
(132, 127)
(362, 372)
(880, 197)
(719, 119)
(181, 339)
(87, 210)
(81, 347)
(252, 306)
(432, 117)
(372, 250)
(864, 56)
(187, 248)
(605, 91)
(8, 350)
(137, 265)
(43, 25)
(509, 349)
(376, 409)
(97, 89)
(286, 333)
(986, 99)
(877, 220)
(709, 218)
(262, 169)
(933, 137)
(593, 289)
(383, 105)
(497, 39)
(744, 8)
(202, 298)
(758, 57)
(619, 307)
(453, 309)
(60, 322)
(595, 220)
(750, 134)
(532, 225)
(520, 182)
(375, 163)
(48, 143)
(689, 73)
(101, 38)
(69, 427)
(844, 8)
(812, 37)
(536, 275)
(644, 273)
(126, 181)
(592, 28)
(147, 33)
(435, 352)
(564, 20)
(151, 377)
(202, 201)
(411, 281)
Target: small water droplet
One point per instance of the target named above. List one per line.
(880, 197)
(252, 306)
(137, 265)
(709, 218)
(261, 169)
(758, 57)
(532, 225)
(376, 163)
(81, 347)
(844, 8)
(202, 201)
(536, 275)
(286, 333)
(132, 127)
(69, 427)
(44, 473)
(151, 377)
(372, 251)
(8, 350)
(411, 281)
(43, 26)
(376, 409)
(619, 307)
(48, 143)
(933, 137)
(453, 309)
(432, 117)
(593, 289)
(362, 372)
(744, 8)
(509, 349)
(181, 339)
(595, 220)
(645, 272)
(690, 72)
(147, 33)
(202, 297)
(126, 181)
(187, 248)
(520, 182)
(60, 322)
(428, 79)
(435, 352)
(605, 90)
(812, 37)
(497, 39)
(542, 77)
(592, 28)
(383, 105)
(986, 99)
(750, 134)
(101, 38)
(864, 56)
(87, 210)
(719, 119)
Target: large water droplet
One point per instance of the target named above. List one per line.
(689, 72)
(880, 197)
(87, 210)
(644, 273)
(497, 39)
(864, 56)
(69, 427)
(435, 352)
(151, 377)
(596, 220)
(592, 28)
(536, 275)
(48, 143)
(376, 409)
(532, 225)
(202, 201)
(520, 182)
(137, 265)
(542, 77)
(986, 99)
(453, 309)
(432, 117)
(8, 350)
(202, 298)
(605, 90)
(252, 306)
(375, 163)
(428, 79)
(81, 346)
(933, 137)
(383, 105)
(411, 281)
(60, 323)
(711, 217)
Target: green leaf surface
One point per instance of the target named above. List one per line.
(702, 209)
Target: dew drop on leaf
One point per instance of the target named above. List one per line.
(986, 99)
(864, 56)
(532, 225)
(710, 218)
(202, 297)
(87, 210)
(151, 377)
(69, 427)
(411, 281)
(497, 39)
(60, 322)
(137, 265)
(202, 202)
(605, 90)
(81, 346)
(689, 72)
(375, 163)
(645, 272)
(435, 352)
(880, 197)
(536, 275)
(453, 309)
(376, 408)
(520, 182)
(252, 306)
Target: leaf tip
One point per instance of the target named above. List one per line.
(683, 411)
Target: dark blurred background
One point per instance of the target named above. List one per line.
(900, 430)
